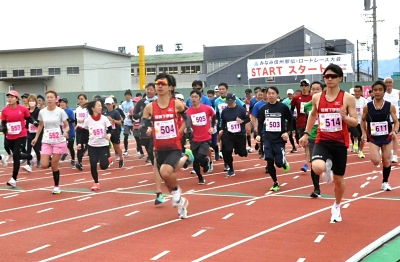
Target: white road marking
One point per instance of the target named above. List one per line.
(11, 196)
(302, 259)
(256, 164)
(129, 168)
(129, 214)
(250, 203)
(369, 178)
(80, 179)
(374, 177)
(228, 216)
(295, 177)
(160, 255)
(37, 249)
(199, 233)
(284, 184)
(143, 181)
(346, 205)
(106, 173)
(319, 238)
(44, 210)
(355, 195)
(211, 183)
(2, 222)
(90, 229)
(83, 199)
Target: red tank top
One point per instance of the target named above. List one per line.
(165, 129)
(331, 128)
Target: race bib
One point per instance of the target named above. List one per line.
(52, 135)
(359, 110)
(302, 107)
(330, 122)
(112, 125)
(233, 127)
(273, 124)
(248, 107)
(379, 128)
(97, 132)
(221, 107)
(32, 128)
(14, 128)
(199, 119)
(165, 129)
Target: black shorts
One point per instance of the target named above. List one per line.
(82, 135)
(200, 147)
(275, 151)
(127, 129)
(300, 131)
(338, 153)
(234, 142)
(115, 138)
(167, 158)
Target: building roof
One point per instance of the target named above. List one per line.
(170, 58)
(63, 48)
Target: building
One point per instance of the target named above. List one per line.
(184, 67)
(229, 63)
(64, 69)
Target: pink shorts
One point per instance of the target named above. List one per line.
(49, 149)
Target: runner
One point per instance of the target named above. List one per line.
(99, 139)
(167, 147)
(13, 120)
(135, 131)
(274, 120)
(287, 102)
(358, 144)
(393, 95)
(33, 123)
(376, 124)
(82, 134)
(40, 102)
(71, 134)
(233, 131)
(116, 122)
(202, 116)
(54, 142)
(128, 125)
(336, 109)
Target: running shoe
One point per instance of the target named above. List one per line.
(27, 168)
(12, 182)
(275, 187)
(189, 153)
(304, 168)
(361, 154)
(148, 160)
(4, 160)
(33, 160)
(72, 163)
(286, 167)
(192, 172)
(176, 203)
(394, 159)
(386, 186)
(266, 170)
(182, 208)
(211, 167)
(63, 157)
(206, 166)
(110, 161)
(355, 146)
(249, 149)
(116, 157)
(121, 163)
(226, 167)
(315, 194)
(327, 176)
(79, 166)
(159, 199)
(39, 165)
(141, 156)
(230, 173)
(126, 153)
(56, 190)
(336, 216)
(95, 187)
(8, 157)
(201, 181)
(294, 150)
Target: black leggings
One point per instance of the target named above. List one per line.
(70, 145)
(199, 161)
(36, 148)
(138, 145)
(96, 155)
(19, 152)
(148, 145)
(82, 136)
(6, 146)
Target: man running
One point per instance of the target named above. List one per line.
(358, 144)
(392, 95)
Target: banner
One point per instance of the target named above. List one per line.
(294, 66)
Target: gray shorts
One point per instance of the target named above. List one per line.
(127, 129)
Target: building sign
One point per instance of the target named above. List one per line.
(293, 66)
(159, 48)
(178, 47)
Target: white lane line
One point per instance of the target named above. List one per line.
(2, 222)
(106, 174)
(11, 196)
(132, 213)
(211, 183)
(250, 203)
(48, 173)
(44, 210)
(355, 195)
(365, 184)
(143, 181)
(37, 249)
(199, 233)
(374, 177)
(83, 199)
(319, 238)
(256, 164)
(302, 259)
(160, 255)
(21, 178)
(268, 193)
(295, 177)
(228, 216)
(90, 229)
(80, 179)
(346, 205)
(129, 168)
(284, 184)
(369, 178)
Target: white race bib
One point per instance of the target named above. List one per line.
(379, 128)
(165, 129)
(32, 128)
(221, 107)
(14, 128)
(199, 119)
(233, 126)
(330, 122)
(52, 135)
(97, 132)
(273, 124)
(302, 107)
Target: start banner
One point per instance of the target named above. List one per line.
(292, 66)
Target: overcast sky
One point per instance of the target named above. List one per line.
(42, 23)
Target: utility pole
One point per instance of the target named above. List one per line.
(375, 43)
(358, 64)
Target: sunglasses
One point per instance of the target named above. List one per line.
(332, 76)
(161, 83)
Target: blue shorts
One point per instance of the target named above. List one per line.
(275, 151)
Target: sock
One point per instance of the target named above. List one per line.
(337, 205)
(176, 194)
(56, 176)
(386, 173)
(158, 194)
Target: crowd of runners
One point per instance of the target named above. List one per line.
(174, 133)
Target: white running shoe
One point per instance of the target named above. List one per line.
(56, 190)
(249, 149)
(117, 157)
(12, 182)
(336, 216)
(176, 203)
(33, 161)
(126, 153)
(8, 157)
(394, 159)
(182, 208)
(4, 160)
(27, 168)
(327, 176)
(386, 186)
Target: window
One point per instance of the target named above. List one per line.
(138, 71)
(151, 71)
(270, 54)
(18, 72)
(73, 70)
(36, 72)
(3, 73)
(54, 71)
(212, 66)
(307, 38)
(168, 70)
(190, 69)
(133, 71)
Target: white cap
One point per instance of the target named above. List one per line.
(351, 91)
(109, 100)
(305, 80)
(290, 91)
(180, 96)
(216, 88)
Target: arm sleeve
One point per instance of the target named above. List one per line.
(288, 117)
(260, 120)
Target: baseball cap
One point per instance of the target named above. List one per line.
(109, 100)
(13, 93)
(306, 81)
(63, 100)
(263, 89)
(136, 99)
(40, 96)
(26, 95)
(290, 91)
(216, 88)
(230, 98)
(248, 91)
(180, 97)
(351, 91)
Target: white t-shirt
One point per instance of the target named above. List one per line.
(97, 131)
(52, 123)
(393, 98)
(360, 103)
(81, 114)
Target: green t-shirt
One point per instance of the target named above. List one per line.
(313, 133)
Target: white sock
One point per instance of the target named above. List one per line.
(337, 205)
(176, 195)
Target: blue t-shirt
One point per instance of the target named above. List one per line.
(71, 116)
(204, 101)
(126, 106)
(257, 107)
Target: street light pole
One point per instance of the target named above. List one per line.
(358, 64)
(375, 44)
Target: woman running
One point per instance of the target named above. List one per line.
(99, 128)
(54, 141)
(13, 120)
(82, 134)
